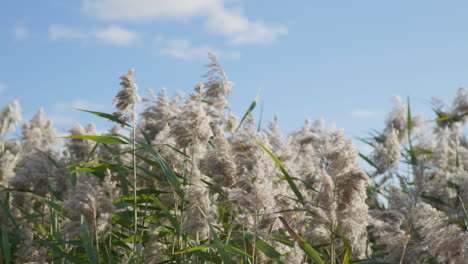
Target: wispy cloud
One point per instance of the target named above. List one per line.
(138, 10)
(112, 35)
(21, 32)
(364, 113)
(61, 119)
(240, 30)
(217, 17)
(117, 36)
(363, 147)
(184, 50)
(2, 88)
(64, 113)
(78, 104)
(61, 32)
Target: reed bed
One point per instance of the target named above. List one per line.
(188, 181)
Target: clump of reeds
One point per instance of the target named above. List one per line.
(194, 183)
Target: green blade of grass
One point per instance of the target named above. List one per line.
(414, 160)
(91, 153)
(197, 248)
(370, 162)
(285, 173)
(249, 110)
(120, 169)
(107, 116)
(57, 207)
(86, 240)
(308, 249)
(431, 198)
(112, 140)
(167, 170)
(219, 246)
(231, 249)
(49, 158)
(261, 245)
(137, 253)
(376, 262)
(348, 250)
(6, 244)
(171, 218)
(260, 118)
(61, 252)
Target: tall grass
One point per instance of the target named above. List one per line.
(187, 182)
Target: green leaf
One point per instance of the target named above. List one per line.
(376, 262)
(86, 240)
(306, 184)
(219, 246)
(408, 119)
(73, 176)
(314, 255)
(57, 207)
(249, 110)
(414, 160)
(200, 247)
(42, 229)
(268, 250)
(6, 209)
(432, 199)
(107, 116)
(216, 188)
(6, 244)
(370, 162)
(98, 169)
(101, 139)
(61, 252)
(168, 172)
(260, 119)
(171, 218)
(149, 162)
(178, 151)
(453, 185)
(137, 253)
(122, 172)
(348, 250)
(231, 249)
(49, 158)
(283, 170)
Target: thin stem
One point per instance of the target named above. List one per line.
(134, 180)
(404, 251)
(96, 236)
(333, 243)
(255, 236)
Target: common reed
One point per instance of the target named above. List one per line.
(194, 183)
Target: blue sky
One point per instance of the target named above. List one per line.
(340, 60)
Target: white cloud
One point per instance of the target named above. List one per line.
(363, 148)
(65, 113)
(217, 17)
(78, 104)
(112, 35)
(363, 113)
(137, 10)
(61, 119)
(117, 35)
(61, 32)
(2, 88)
(240, 30)
(184, 50)
(66, 132)
(21, 32)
